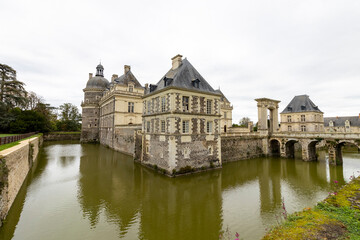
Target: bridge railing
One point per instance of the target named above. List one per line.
(10, 139)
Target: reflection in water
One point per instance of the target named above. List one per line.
(91, 192)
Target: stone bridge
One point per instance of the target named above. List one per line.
(282, 144)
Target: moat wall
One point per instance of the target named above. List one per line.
(15, 163)
(234, 148)
(122, 139)
(60, 136)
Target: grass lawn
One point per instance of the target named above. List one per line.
(7, 134)
(9, 145)
(337, 217)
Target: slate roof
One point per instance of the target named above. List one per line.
(97, 82)
(301, 103)
(126, 78)
(340, 121)
(222, 95)
(183, 77)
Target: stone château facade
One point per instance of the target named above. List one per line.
(175, 126)
(121, 111)
(301, 115)
(181, 121)
(226, 113)
(342, 124)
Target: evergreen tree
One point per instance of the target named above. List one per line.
(12, 91)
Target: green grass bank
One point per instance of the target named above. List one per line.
(336, 217)
(9, 145)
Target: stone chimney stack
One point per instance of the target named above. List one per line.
(90, 75)
(114, 76)
(126, 68)
(176, 61)
(146, 87)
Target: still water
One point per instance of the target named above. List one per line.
(91, 192)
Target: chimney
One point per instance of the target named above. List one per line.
(90, 75)
(359, 115)
(146, 87)
(176, 61)
(126, 68)
(114, 76)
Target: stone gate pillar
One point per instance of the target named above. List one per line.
(265, 104)
(335, 155)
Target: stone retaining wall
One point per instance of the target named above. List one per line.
(15, 163)
(60, 137)
(240, 148)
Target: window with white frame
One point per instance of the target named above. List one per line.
(163, 104)
(303, 128)
(185, 126)
(162, 126)
(185, 103)
(130, 107)
(208, 106)
(209, 127)
(303, 118)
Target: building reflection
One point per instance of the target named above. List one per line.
(187, 207)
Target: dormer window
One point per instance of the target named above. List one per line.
(167, 81)
(331, 124)
(152, 87)
(289, 109)
(303, 107)
(131, 88)
(196, 83)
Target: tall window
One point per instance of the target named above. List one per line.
(289, 128)
(303, 118)
(148, 107)
(209, 127)
(225, 115)
(303, 128)
(130, 107)
(316, 128)
(289, 118)
(162, 126)
(185, 103)
(148, 126)
(208, 106)
(163, 104)
(131, 88)
(185, 127)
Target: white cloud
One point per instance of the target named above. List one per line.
(251, 49)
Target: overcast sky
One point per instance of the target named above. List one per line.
(250, 49)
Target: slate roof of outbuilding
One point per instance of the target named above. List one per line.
(301, 103)
(126, 78)
(340, 121)
(182, 77)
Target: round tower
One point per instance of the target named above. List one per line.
(93, 92)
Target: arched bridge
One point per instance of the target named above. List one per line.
(282, 144)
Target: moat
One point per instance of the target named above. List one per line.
(86, 191)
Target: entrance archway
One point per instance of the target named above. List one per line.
(275, 148)
(265, 104)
